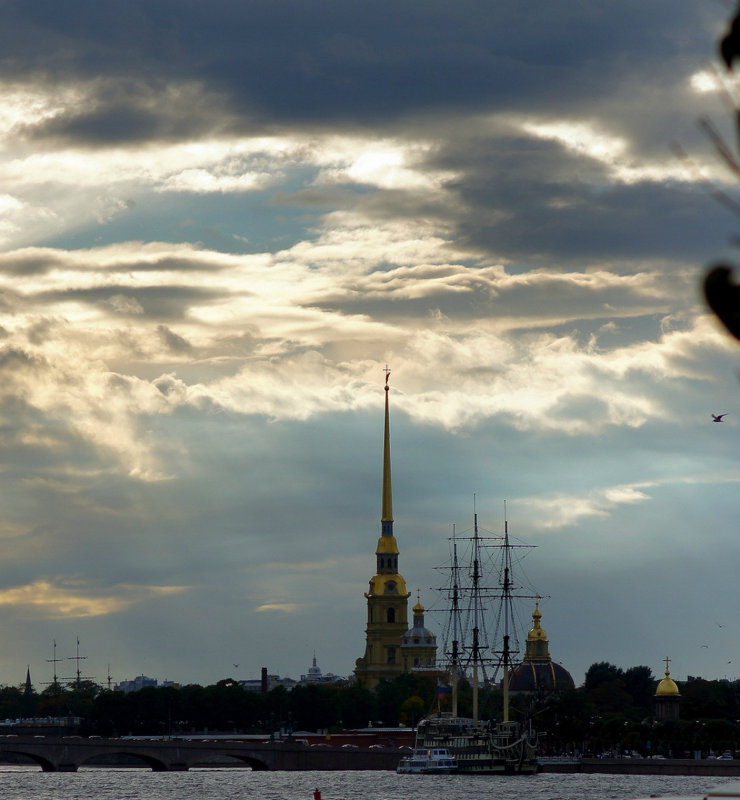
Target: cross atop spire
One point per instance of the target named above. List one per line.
(387, 375)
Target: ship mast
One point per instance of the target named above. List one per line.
(455, 655)
(476, 612)
(507, 601)
(480, 614)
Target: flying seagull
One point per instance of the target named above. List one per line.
(718, 417)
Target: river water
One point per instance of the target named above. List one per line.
(29, 783)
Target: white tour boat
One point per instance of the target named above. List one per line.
(435, 760)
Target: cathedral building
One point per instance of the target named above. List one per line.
(538, 673)
(390, 647)
(419, 644)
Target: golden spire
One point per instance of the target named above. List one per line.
(538, 647)
(387, 509)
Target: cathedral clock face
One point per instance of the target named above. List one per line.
(390, 587)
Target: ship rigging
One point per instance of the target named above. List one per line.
(481, 639)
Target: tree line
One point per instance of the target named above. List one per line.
(612, 712)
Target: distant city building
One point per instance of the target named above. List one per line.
(266, 683)
(667, 700)
(41, 726)
(139, 683)
(538, 673)
(315, 675)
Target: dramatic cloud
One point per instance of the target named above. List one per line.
(218, 224)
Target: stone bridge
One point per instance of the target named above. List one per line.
(68, 753)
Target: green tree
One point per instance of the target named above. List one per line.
(701, 699)
(412, 710)
(53, 701)
(391, 695)
(640, 683)
(601, 672)
(357, 706)
(315, 707)
(12, 703)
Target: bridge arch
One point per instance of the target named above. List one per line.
(157, 764)
(44, 763)
(251, 761)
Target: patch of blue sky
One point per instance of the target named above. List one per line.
(243, 223)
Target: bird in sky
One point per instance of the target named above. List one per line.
(236, 666)
(718, 417)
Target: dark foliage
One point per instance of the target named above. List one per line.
(612, 711)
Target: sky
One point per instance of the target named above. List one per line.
(219, 222)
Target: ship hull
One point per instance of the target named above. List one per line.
(502, 749)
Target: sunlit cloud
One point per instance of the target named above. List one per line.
(612, 152)
(64, 599)
(704, 82)
(201, 180)
(26, 104)
(385, 164)
(562, 511)
(303, 312)
(285, 608)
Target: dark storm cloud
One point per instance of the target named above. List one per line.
(133, 110)
(13, 360)
(173, 342)
(569, 206)
(580, 222)
(351, 61)
(30, 263)
(158, 302)
(110, 124)
(39, 261)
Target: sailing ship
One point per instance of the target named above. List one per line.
(481, 746)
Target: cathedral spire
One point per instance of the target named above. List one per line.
(386, 518)
(387, 598)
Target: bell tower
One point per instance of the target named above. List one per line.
(387, 598)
